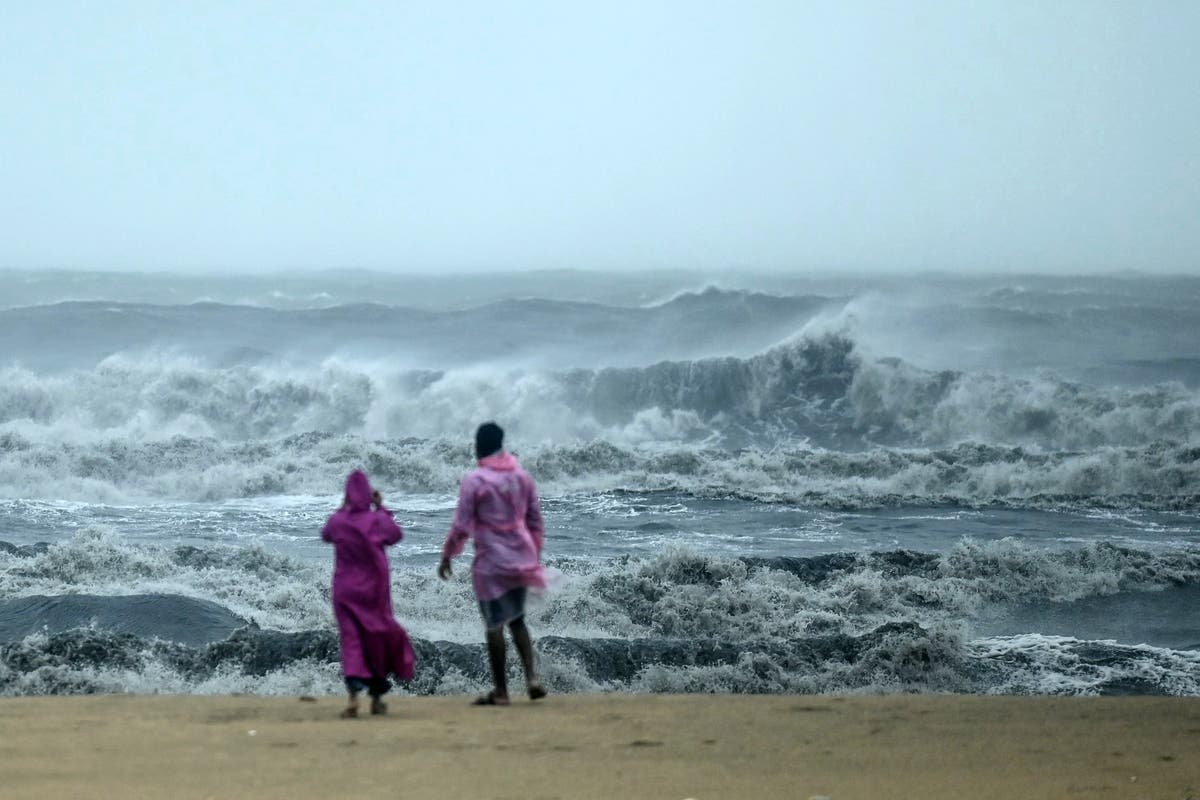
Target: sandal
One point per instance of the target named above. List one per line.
(536, 691)
(490, 699)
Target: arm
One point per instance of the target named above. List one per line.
(386, 528)
(460, 528)
(384, 525)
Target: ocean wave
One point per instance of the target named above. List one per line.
(679, 621)
(205, 469)
(168, 617)
(1039, 665)
(679, 594)
(250, 583)
(897, 657)
(79, 335)
(818, 387)
(316, 289)
(1123, 330)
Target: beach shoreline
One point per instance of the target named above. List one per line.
(603, 745)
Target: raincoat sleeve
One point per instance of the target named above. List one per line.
(464, 519)
(327, 531)
(386, 529)
(533, 516)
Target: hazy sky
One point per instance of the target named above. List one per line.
(978, 135)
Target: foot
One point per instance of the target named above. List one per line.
(491, 699)
(536, 690)
(349, 712)
(378, 706)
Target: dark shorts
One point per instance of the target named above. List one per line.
(374, 686)
(504, 609)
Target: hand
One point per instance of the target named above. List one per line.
(377, 499)
(444, 571)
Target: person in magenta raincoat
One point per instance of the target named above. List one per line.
(373, 644)
(498, 510)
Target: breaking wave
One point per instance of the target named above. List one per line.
(811, 419)
(110, 617)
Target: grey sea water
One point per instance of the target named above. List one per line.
(752, 483)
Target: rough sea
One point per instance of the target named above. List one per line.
(763, 484)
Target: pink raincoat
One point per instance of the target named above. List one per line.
(373, 643)
(498, 510)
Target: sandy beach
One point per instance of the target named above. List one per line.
(603, 746)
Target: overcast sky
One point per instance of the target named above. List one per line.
(1032, 136)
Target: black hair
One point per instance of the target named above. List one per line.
(489, 439)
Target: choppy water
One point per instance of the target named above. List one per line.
(754, 484)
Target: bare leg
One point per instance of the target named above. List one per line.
(495, 645)
(524, 644)
(521, 639)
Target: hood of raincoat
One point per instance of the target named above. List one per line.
(358, 491)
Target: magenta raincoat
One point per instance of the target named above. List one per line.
(373, 643)
(498, 510)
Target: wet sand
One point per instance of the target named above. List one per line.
(603, 746)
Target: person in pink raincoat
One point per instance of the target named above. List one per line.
(498, 510)
(373, 644)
